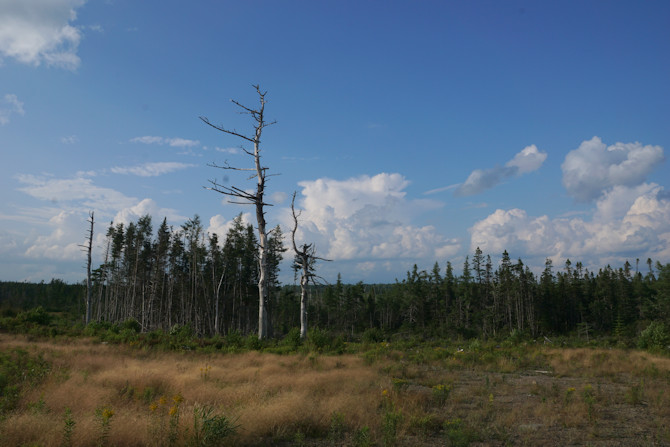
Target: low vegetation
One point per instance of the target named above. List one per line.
(172, 389)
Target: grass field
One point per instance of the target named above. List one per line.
(83, 392)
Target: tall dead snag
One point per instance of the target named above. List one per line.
(247, 198)
(88, 248)
(305, 260)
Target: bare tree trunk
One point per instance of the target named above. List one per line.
(89, 248)
(255, 199)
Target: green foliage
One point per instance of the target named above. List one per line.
(292, 339)
(390, 424)
(319, 339)
(104, 417)
(253, 343)
(458, 435)
(654, 337)
(337, 428)
(68, 428)
(19, 370)
(234, 339)
(362, 437)
(372, 335)
(132, 325)
(209, 428)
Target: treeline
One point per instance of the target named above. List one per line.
(493, 301)
(54, 296)
(183, 277)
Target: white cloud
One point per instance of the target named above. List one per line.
(151, 169)
(220, 225)
(144, 207)
(39, 31)
(181, 142)
(69, 140)
(63, 243)
(174, 142)
(367, 218)
(527, 160)
(278, 197)
(10, 105)
(147, 140)
(595, 167)
(627, 222)
(228, 150)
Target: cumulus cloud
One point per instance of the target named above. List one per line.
(219, 225)
(594, 167)
(10, 105)
(81, 193)
(626, 222)
(151, 169)
(144, 207)
(527, 160)
(40, 31)
(64, 240)
(174, 142)
(367, 218)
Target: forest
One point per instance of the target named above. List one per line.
(182, 277)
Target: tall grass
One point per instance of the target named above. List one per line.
(476, 393)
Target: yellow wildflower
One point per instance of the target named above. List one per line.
(173, 410)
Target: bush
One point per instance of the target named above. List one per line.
(17, 370)
(36, 316)
(292, 339)
(132, 325)
(655, 336)
(319, 339)
(234, 339)
(372, 335)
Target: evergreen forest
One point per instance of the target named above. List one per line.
(184, 278)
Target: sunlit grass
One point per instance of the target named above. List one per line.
(460, 394)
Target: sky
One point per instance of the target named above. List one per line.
(411, 132)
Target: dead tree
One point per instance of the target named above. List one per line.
(88, 248)
(305, 260)
(248, 198)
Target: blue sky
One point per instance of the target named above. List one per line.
(413, 132)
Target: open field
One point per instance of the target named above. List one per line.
(479, 395)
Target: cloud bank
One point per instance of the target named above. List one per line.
(39, 31)
(630, 218)
(368, 219)
(527, 160)
(594, 167)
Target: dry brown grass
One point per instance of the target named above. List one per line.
(270, 396)
(578, 397)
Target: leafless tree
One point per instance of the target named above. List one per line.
(88, 248)
(305, 260)
(256, 198)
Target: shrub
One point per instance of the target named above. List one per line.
(655, 336)
(372, 335)
(292, 339)
(36, 316)
(132, 325)
(18, 369)
(319, 339)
